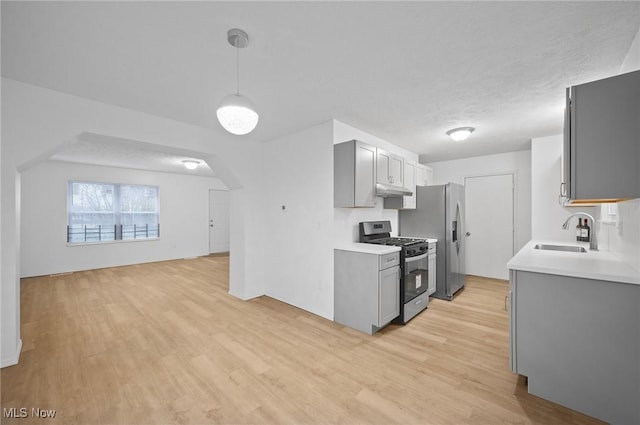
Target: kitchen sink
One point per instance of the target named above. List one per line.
(566, 248)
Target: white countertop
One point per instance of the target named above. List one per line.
(368, 248)
(599, 265)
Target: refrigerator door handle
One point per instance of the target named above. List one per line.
(454, 231)
(456, 225)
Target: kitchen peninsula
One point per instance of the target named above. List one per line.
(575, 330)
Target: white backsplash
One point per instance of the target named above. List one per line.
(617, 225)
(346, 220)
(620, 230)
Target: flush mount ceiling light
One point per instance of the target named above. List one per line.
(236, 113)
(191, 164)
(461, 133)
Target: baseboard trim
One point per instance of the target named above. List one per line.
(13, 360)
(244, 297)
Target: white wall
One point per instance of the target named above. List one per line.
(624, 239)
(240, 164)
(346, 220)
(519, 162)
(632, 60)
(618, 233)
(547, 215)
(5, 290)
(36, 122)
(300, 167)
(299, 244)
(622, 233)
(184, 216)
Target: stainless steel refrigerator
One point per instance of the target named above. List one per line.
(439, 214)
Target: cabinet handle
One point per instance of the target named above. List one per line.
(505, 302)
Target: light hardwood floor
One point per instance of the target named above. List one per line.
(165, 343)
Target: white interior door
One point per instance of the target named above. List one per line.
(218, 221)
(489, 225)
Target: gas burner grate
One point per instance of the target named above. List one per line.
(397, 241)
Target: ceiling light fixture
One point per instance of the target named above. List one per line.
(461, 133)
(236, 113)
(191, 164)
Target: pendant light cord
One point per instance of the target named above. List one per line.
(238, 71)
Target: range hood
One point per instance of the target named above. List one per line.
(387, 190)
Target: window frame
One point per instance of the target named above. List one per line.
(117, 213)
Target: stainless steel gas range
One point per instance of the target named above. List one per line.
(417, 261)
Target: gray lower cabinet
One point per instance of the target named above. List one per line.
(366, 289)
(578, 342)
(431, 285)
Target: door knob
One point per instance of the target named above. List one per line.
(468, 234)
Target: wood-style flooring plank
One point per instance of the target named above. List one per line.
(164, 343)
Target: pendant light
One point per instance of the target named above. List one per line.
(459, 134)
(236, 113)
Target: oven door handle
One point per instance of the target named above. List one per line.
(417, 258)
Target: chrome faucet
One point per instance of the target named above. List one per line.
(593, 243)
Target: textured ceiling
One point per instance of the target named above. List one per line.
(404, 71)
(100, 150)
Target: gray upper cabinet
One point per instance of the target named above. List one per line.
(601, 157)
(354, 179)
(424, 175)
(405, 202)
(390, 168)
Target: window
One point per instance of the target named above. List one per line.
(139, 212)
(102, 212)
